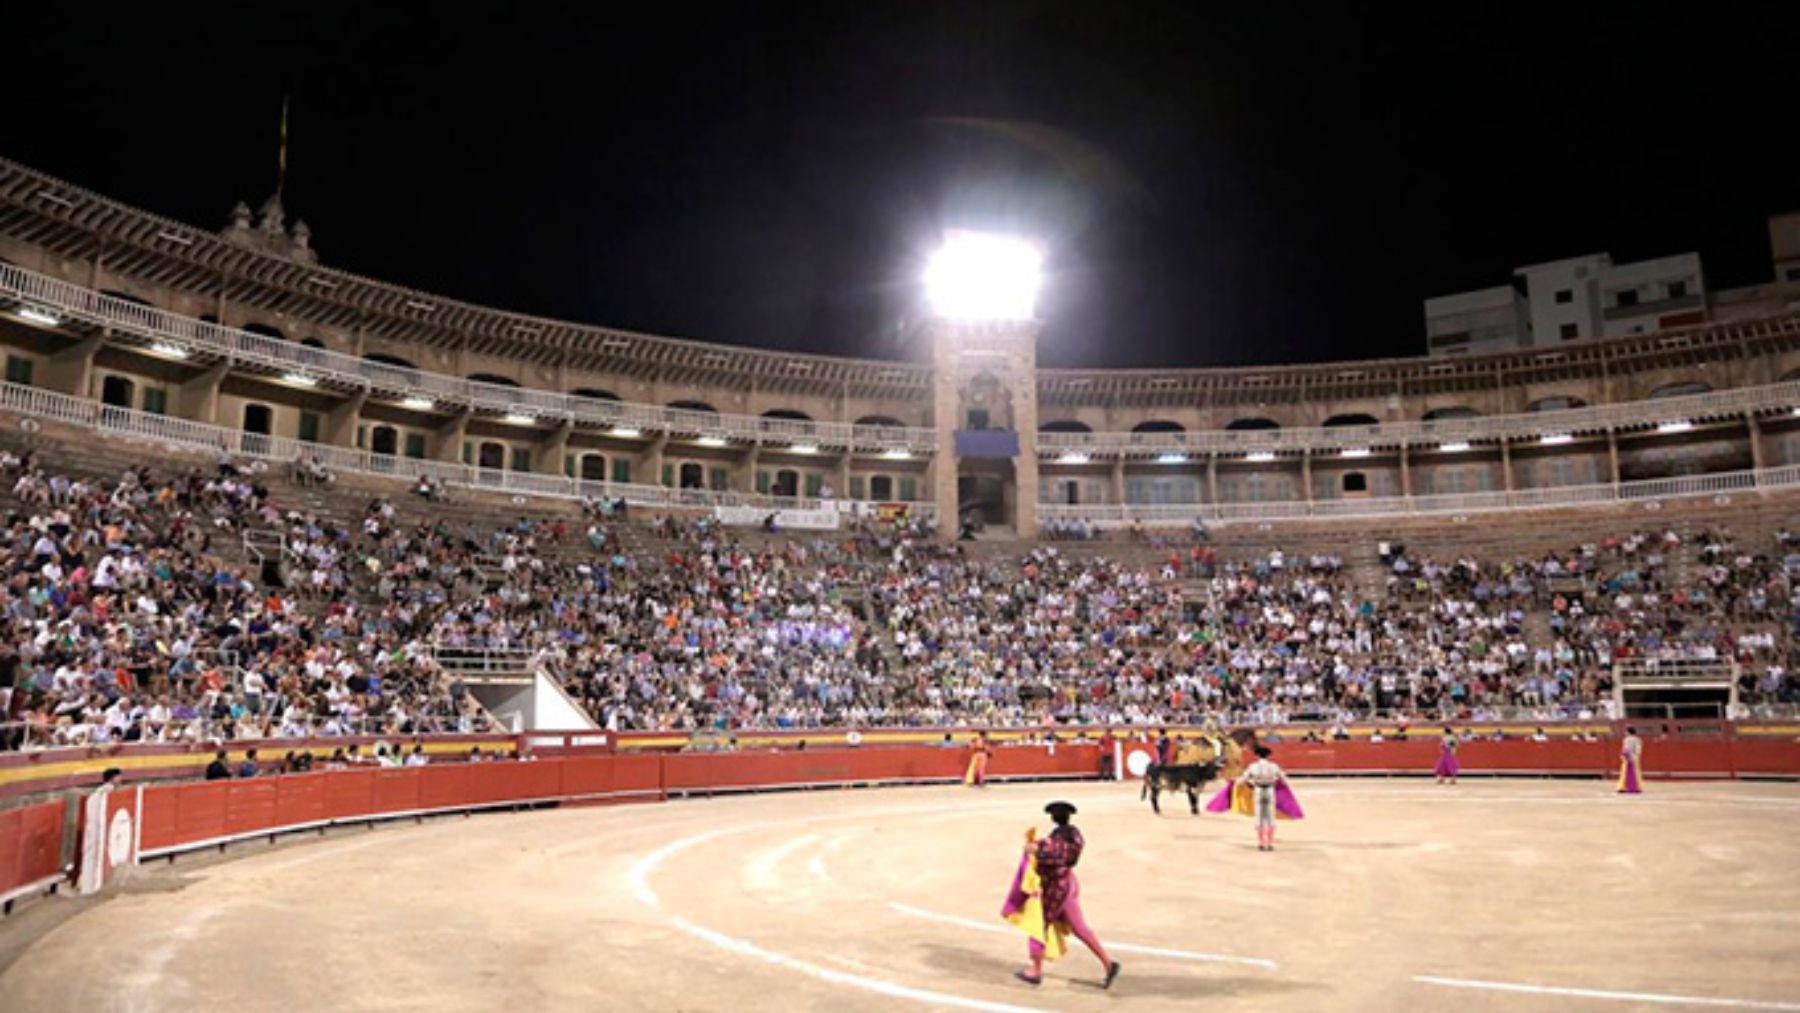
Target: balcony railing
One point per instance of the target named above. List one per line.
(1116, 515)
(186, 434)
(213, 341)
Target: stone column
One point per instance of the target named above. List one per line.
(549, 453)
(1754, 424)
(339, 429)
(1506, 472)
(1118, 480)
(1405, 472)
(1212, 478)
(198, 398)
(1306, 474)
(71, 370)
(1612, 456)
(447, 442)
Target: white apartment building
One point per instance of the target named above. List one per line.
(1562, 301)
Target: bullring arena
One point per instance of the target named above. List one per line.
(1488, 895)
(364, 649)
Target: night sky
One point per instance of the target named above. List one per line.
(1216, 186)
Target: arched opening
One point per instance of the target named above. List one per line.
(258, 419)
(595, 393)
(114, 293)
(881, 487)
(1558, 403)
(1792, 374)
(1351, 419)
(494, 378)
(1680, 389)
(384, 440)
(787, 482)
(1450, 412)
(1356, 481)
(1065, 426)
(492, 456)
(1158, 426)
(117, 391)
(388, 360)
(786, 413)
(692, 476)
(889, 420)
(312, 343)
(693, 406)
(593, 468)
(1252, 424)
(264, 330)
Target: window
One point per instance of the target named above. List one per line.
(468, 453)
(787, 482)
(568, 465)
(521, 459)
(1569, 332)
(156, 401)
(309, 427)
(668, 475)
(762, 482)
(119, 392)
(593, 468)
(621, 469)
(693, 475)
(978, 418)
(1627, 297)
(814, 483)
(718, 479)
(492, 456)
(856, 487)
(881, 487)
(908, 487)
(415, 446)
(18, 370)
(1793, 274)
(1564, 295)
(1356, 481)
(383, 440)
(1677, 289)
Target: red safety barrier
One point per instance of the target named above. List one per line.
(31, 840)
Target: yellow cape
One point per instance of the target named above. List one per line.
(1030, 918)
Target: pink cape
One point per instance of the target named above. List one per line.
(1239, 797)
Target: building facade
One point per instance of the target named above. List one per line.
(141, 324)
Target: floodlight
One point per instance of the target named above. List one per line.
(1555, 439)
(1073, 457)
(626, 431)
(418, 404)
(1675, 427)
(1260, 456)
(33, 315)
(981, 276)
(168, 351)
(1355, 452)
(1171, 459)
(519, 419)
(300, 379)
(1454, 446)
(711, 441)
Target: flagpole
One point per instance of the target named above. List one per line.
(281, 163)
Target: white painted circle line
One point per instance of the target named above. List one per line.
(1152, 951)
(1594, 993)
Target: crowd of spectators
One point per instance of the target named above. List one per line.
(124, 622)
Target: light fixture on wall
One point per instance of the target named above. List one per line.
(1171, 459)
(1073, 457)
(168, 351)
(1677, 426)
(300, 380)
(897, 454)
(518, 419)
(626, 431)
(1260, 456)
(1454, 447)
(804, 448)
(418, 404)
(33, 315)
(1555, 439)
(1354, 452)
(711, 441)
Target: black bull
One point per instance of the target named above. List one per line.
(1188, 777)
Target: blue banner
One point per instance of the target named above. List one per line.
(987, 443)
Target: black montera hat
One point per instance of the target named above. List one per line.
(1060, 810)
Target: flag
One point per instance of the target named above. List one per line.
(281, 170)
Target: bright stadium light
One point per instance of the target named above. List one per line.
(627, 432)
(804, 448)
(168, 351)
(1454, 446)
(1675, 427)
(981, 276)
(300, 380)
(418, 404)
(711, 441)
(33, 315)
(1073, 457)
(1171, 459)
(1355, 452)
(1260, 456)
(519, 419)
(897, 454)
(1555, 439)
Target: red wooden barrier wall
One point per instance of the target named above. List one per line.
(31, 839)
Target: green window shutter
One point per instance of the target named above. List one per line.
(156, 401)
(521, 459)
(762, 482)
(668, 476)
(856, 487)
(569, 465)
(18, 370)
(719, 479)
(468, 453)
(621, 470)
(908, 486)
(814, 482)
(309, 427)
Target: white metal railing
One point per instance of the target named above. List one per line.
(199, 337)
(1114, 515)
(1598, 418)
(196, 336)
(1680, 669)
(201, 437)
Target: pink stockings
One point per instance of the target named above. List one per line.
(1071, 916)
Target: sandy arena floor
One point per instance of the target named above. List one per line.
(1392, 895)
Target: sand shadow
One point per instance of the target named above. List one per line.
(1079, 971)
